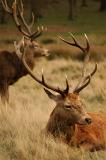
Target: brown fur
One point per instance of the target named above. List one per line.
(70, 125)
(11, 67)
(93, 136)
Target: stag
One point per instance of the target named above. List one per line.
(11, 68)
(68, 119)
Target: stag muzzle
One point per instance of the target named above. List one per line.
(46, 53)
(85, 120)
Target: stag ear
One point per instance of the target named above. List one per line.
(51, 95)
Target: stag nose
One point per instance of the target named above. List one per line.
(88, 120)
(46, 53)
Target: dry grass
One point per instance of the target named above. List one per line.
(22, 122)
(64, 51)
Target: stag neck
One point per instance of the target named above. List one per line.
(57, 127)
(30, 60)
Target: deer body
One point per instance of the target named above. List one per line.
(11, 68)
(89, 137)
(92, 137)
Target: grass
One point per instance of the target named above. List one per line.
(23, 120)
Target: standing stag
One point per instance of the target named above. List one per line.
(68, 119)
(11, 68)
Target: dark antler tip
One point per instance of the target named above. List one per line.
(43, 81)
(96, 65)
(67, 87)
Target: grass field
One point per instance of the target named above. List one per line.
(23, 120)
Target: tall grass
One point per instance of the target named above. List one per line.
(22, 122)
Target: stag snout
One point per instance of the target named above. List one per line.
(85, 120)
(88, 120)
(46, 53)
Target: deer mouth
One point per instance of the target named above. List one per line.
(46, 53)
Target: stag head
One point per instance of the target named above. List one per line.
(69, 109)
(32, 47)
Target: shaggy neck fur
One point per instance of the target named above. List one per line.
(57, 127)
(20, 69)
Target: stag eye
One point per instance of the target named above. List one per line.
(67, 107)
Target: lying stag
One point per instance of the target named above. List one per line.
(11, 68)
(68, 120)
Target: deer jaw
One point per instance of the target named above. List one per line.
(31, 49)
(39, 50)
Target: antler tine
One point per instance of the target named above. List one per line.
(92, 73)
(18, 15)
(32, 22)
(86, 60)
(42, 82)
(86, 78)
(6, 7)
(66, 91)
(21, 13)
(48, 86)
(83, 86)
(14, 12)
(76, 44)
(37, 33)
(87, 42)
(32, 35)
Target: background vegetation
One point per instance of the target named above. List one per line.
(22, 121)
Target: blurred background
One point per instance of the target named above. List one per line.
(60, 17)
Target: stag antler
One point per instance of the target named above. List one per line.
(42, 81)
(85, 80)
(18, 15)
(76, 44)
(6, 7)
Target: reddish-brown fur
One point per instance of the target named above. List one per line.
(69, 124)
(93, 136)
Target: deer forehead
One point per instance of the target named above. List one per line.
(31, 43)
(72, 98)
